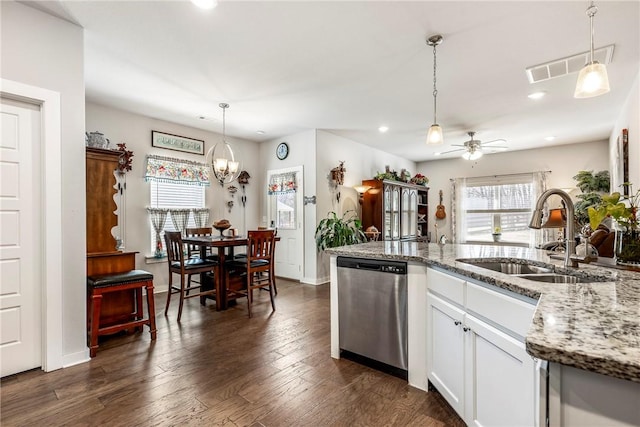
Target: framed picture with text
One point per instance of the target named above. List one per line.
(177, 142)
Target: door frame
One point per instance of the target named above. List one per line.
(299, 170)
(51, 224)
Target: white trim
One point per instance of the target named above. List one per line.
(314, 281)
(51, 204)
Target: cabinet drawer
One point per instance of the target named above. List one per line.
(446, 285)
(504, 310)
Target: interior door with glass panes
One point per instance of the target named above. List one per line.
(285, 207)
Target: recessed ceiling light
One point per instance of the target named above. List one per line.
(205, 4)
(260, 132)
(383, 129)
(549, 138)
(537, 95)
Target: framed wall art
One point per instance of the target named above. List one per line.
(177, 142)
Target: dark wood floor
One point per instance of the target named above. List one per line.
(222, 368)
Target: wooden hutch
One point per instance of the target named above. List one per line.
(102, 255)
(399, 210)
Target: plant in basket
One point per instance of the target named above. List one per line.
(419, 179)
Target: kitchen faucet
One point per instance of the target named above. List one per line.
(570, 257)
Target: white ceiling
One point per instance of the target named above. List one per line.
(349, 67)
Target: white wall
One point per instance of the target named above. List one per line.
(135, 131)
(47, 52)
(629, 119)
(361, 162)
(563, 161)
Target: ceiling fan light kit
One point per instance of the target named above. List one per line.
(592, 79)
(434, 136)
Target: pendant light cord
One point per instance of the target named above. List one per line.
(435, 91)
(591, 12)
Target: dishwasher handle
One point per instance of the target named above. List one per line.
(382, 266)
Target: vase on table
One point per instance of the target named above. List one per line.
(627, 246)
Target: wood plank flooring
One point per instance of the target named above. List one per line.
(222, 368)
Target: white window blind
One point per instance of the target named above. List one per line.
(498, 204)
(174, 195)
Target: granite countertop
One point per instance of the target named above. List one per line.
(593, 326)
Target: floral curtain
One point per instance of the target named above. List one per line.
(158, 218)
(180, 217)
(200, 216)
(179, 171)
(283, 183)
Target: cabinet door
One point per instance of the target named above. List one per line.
(445, 350)
(391, 212)
(500, 378)
(408, 213)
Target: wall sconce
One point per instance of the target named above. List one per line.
(361, 189)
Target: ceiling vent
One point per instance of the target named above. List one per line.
(568, 65)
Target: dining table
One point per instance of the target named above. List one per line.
(225, 246)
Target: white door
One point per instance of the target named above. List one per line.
(287, 215)
(20, 256)
(445, 350)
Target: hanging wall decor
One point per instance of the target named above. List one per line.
(124, 162)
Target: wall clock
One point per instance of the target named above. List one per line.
(282, 151)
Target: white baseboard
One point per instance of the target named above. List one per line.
(75, 358)
(315, 281)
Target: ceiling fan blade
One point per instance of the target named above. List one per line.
(451, 151)
(495, 140)
(496, 148)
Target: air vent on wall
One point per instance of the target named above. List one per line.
(568, 65)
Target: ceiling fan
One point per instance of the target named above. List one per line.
(473, 148)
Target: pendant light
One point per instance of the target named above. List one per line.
(223, 163)
(592, 80)
(434, 136)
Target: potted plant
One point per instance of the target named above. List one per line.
(593, 186)
(333, 231)
(623, 210)
(497, 234)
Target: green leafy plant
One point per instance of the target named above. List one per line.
(333, 231)
(593, 186)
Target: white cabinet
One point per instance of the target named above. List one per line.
(445, 350)
(500, 382)
(480, 366)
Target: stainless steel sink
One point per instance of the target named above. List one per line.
(530, 271)
(510, 267)
(553, 278)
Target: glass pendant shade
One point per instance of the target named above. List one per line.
(472, 155)
(225, 167)
(434, 136)
(557, 219)
(592, 81)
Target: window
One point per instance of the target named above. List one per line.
(174, 195)
(496, 205)
(285, 211)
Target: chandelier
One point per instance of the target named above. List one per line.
(223, 163)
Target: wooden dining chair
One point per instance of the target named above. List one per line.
(185, 267)
(193, 251)
(257, 270)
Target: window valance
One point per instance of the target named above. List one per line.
(283, 183)
(180, 171)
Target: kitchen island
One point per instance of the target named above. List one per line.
(591, 327)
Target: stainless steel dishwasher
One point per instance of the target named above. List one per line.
(372, 310)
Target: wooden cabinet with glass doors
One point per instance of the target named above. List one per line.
(393, 208)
